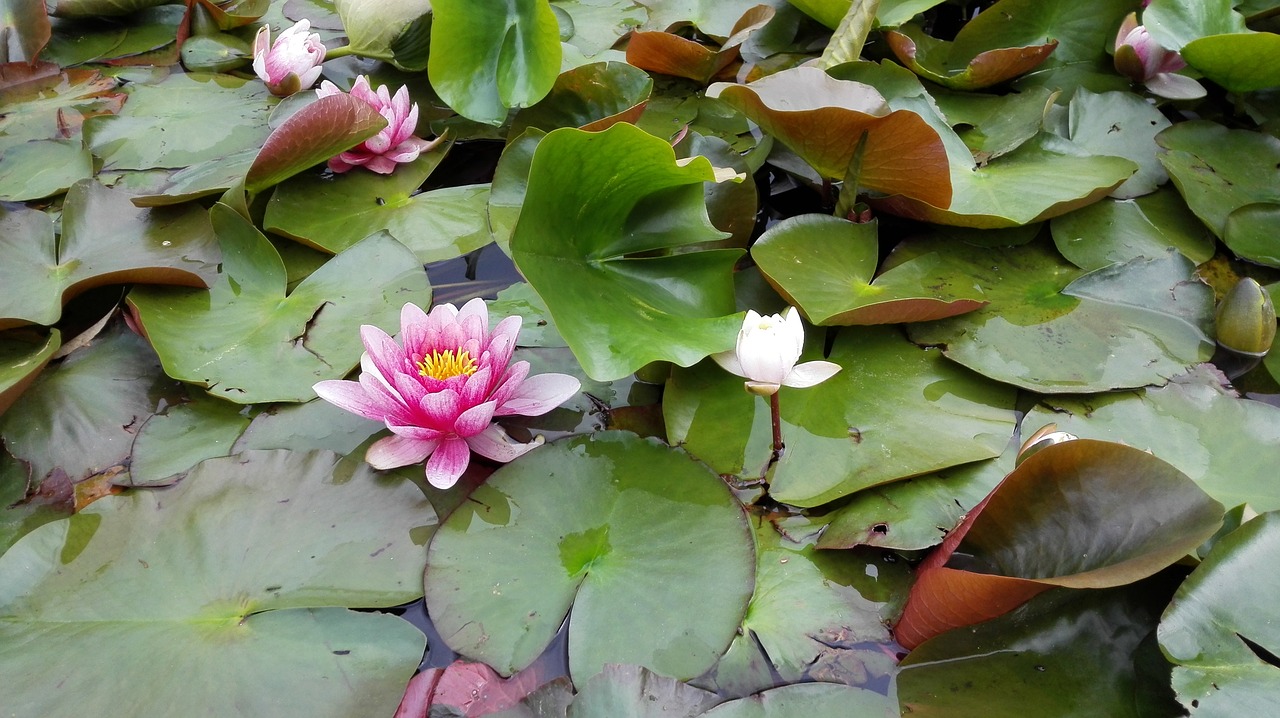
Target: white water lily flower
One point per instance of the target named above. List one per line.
(767, 351)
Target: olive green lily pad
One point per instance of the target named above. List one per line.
(40, 168)
(180, 436)
(1220, 638)
(629, 691)
(42, 101)
(619, 294)
(1114, 231)
(591, 96)
(489, 56)
(1120, 124)
(809, 699)
(1240, 62)
(375, 27)
(824, 265)
(1228, 445)
(183, 119)
(1065, 653)
(242, 595)
(1083, 29)
(246, 341)
(1222, 172)
(1052, 330)
(21, 359)
(1176, 23)
(608, 525)
(861, 428)
(105, 240)
(821, 118)
(995, 125)
(936, 60)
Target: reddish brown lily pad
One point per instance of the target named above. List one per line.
(933, 60)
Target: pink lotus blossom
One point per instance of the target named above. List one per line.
(292, 62)
(395, 143)
(440, 392)
(1140, 58)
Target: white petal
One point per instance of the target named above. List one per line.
(729, 362)
(810, 373)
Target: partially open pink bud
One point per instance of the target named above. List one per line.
(292, 62)
(395, 143)
(1140, 58)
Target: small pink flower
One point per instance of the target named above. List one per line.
(440, 392)
(292, 62)
(395, 143)
(1140, 58)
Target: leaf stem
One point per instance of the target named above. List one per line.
(337, 52)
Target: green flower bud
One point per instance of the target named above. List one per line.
(1247, 319)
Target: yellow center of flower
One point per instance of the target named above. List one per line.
(447, 364)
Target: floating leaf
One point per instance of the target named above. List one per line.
(1241, 62)
(105, 240)
(824, 265)
(1120, 124)
(21, 359)
(257, 552)
(41, 168)
(592, 97)
(821, 118)
(1175, 23)
(42, 101)
(490, 56)
(936, 60)
(1114, 231)
(609, 524)
(635, 692)
(179, 436)
(1052, 330)
(815, 699)
(246, 341)
(619, 311)
(1221, 641)
(1082, 29)
(321, 130)
(995, 125)
(374, 26)
(1079, 514)
(860, 429)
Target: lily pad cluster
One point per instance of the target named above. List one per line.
(986, 222)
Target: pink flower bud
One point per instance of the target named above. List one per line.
(292, 62)
(1140, 58)
(395, 143)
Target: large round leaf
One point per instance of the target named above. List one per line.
(599, 528)
(594, 202)
(488, 56)
(1050, 330)
(1219, 630)
(809, 699)
(40, 168)
(894, 411)
(1114, 231)
(239, 565)
(246, 341)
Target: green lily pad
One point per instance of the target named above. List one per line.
(1052, 330)
(490, 56)
(936, 60)
(1175, 23)
(815, 615)
(619, 311)
(183, 119)
(1240, 62)
(1228, 445)
(79, 417)
(1083, 29)
(313, 425)
(40, 168)
(210, 177)
(824, 265)
(257, 551)
(626, 691)
(1114, 231)
(1220, 172)
(858, 429)
(809, 699)
(218, 52)
(22, 357)
(1120, 124)
(1065, 653)
(180, 436)
(597, 25)
(608, 525)
(375, 26)
(714, 18)
(995, 125)
(246, 341)
(105, 240)
(821, 118)
(592, 97)
(1220, 642)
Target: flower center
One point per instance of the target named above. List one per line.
(447, 364)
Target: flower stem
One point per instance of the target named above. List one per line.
(777, 426)
(337, 52)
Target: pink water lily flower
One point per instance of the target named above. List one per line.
(1140, 58)
(292, 62)
(440, 391)
(395, 143)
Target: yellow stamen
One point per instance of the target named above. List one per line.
(447, 364)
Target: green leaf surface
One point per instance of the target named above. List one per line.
(1083, 29)
(859, 429)
(619, 294)
(1228, 445)
(40, 168)
(1120, 124)
(490, 56)
(824, 265)
(809, 699)
(314, 425)
(1050, 329)
(1219, 638)
(994, 125)
(599, 24)
(246, 341)
(105, 240)
(1238, 62)
(180, 436)
(608, 525)
(257, 550)
(626, 691)
(373, 26)
(22, 357)
(210, 177)
(1114, 231)
(1175, 23)
(183, 119)
(715, 18)
(591, 96)
(90, 8)
(1220, 172)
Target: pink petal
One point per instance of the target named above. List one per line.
(441, 409)
(327, 88)
(475, 388)
(448, 462)
(422, 433)
(539, 394)
(350, 396)
(381, 165)
(474, 420)
(510, 382)
(395, 451)
(493, 443)
(413, 328)
(386, 354)
(810, 373)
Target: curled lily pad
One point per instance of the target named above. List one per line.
(1120, 124)
(670, 54)
(936, 60)
(592, 97)
(315, 133)
(21, 359)
(608, 524)
(260, 552)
